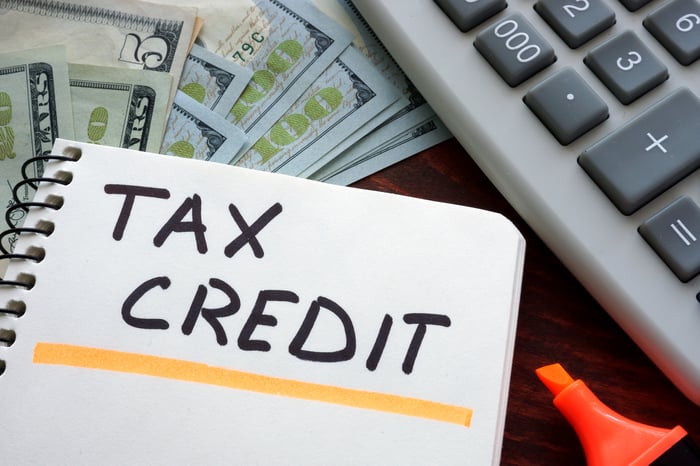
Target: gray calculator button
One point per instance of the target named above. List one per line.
(649, 154)
(634, 5)
(515, 49)
(674, 233)
(626, 66)
(566, 105)
(676, 26)
(576, 21)
(467, 14)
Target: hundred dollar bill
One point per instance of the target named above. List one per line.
(35, 109)
(119, 107)
(348, 93)
(364, 38)
(287, 44)
(345, 170)
(365, 132)
(212, 80)
(128, 33)
(403, 121)
(194, 131)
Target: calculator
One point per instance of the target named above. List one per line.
(585, 115)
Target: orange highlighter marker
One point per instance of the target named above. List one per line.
(609, 439)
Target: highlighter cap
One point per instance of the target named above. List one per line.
(610, 439)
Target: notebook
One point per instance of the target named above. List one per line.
(188, 312)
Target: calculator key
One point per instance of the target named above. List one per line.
(626, 66)
(566, 105)
(515, 49)
(634, 5)
(676, 26)
(467, 14)
(576, 21)
(674, 233)
(649, 154)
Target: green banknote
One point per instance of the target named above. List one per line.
(348, 168)
(127, 33)
(119, 107)
(402, 125)
(193, 131)
(414, 109)
(348, 94)
(287, 44)
(212, 80)
(35, 109)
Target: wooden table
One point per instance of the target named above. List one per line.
(559, 322)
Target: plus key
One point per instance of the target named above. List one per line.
(649, 154)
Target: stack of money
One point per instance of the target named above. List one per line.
(301, 87)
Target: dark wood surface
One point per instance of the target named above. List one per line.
(558, 322)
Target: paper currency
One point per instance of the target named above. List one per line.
(194, 131)
(403, 122)
(345, 171)
(213, 81)
(119, 107)
(365, 132)
(35, 109)
(399, 120)
(279, 88)
(127, 33)
(348, 93)
(345, 13)
(287, 45)
(218, 17)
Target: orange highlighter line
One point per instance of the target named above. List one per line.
(96, 358)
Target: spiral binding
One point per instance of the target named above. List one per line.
(17, 308)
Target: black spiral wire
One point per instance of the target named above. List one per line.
(17, 308)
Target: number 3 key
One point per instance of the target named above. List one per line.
(626, 66)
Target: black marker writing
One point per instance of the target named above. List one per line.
(345, 349)
(257, 317)
(296, 347)
(380, 343)
(135, 296)
(248, 232)
(130, 192)
(177, 224)
(422, 321)
(212, 316)
(187, 218)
